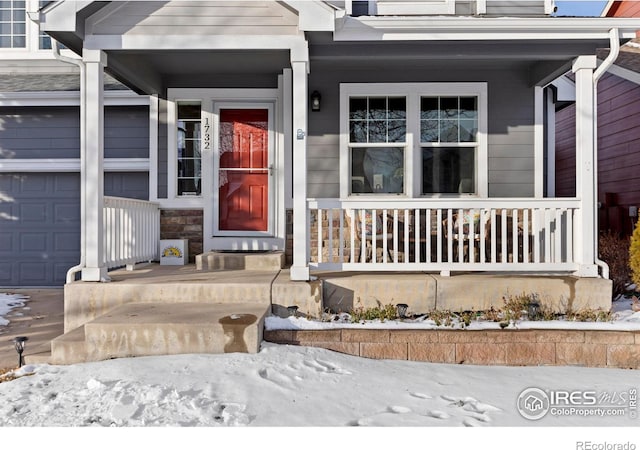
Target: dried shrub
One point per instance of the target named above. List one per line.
(634, 255)
(614, 250)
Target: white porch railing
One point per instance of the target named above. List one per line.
(444, 235)
(131, 231)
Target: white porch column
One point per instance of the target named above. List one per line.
(586, 189)
(92, 152)
(300, 267)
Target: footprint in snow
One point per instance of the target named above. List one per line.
(420, 395)
(325, 367)
(276, 378)
(399, 409)
(438, 414)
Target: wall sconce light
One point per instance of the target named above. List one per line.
(315, 101)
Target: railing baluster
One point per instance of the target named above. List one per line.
(427, 237)
(341, 236)
(416, 212)
(515, 246)
(483, 236)
(330, 257)
(384, 236)
(547, 235)
(504, 233)
(449, 235)
(395, 236)
(460, 236)
(472, 236)
(525, 235)
(569, 239)
(558, 235)
(406, 236)
(320, 232)
(352, 233)
(494, 243)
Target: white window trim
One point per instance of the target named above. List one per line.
(413, 92)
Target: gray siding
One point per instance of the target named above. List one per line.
(54, 132)
(36, 132)
(126, 132)
(510, 122)
(199, 18)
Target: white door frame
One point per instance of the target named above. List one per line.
(210, 98)
(271, 184)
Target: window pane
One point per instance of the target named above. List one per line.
(19, 28)
(358, 131)
(189, 156)
(429, 131)
(189, 110)
(5, 4)
(378, 131)
(468, 130)
(19, 41)
(5, 28)
(448, 170)
(429, 108)
(397, 108)
(5, 15)
(449, 131)
(377, 108)
(19, 15)
(397, 131)
(448, 107)
(19, 4)
(357, 108)
(5, 42)
(377, 170)
(468, 107)
(45, 43)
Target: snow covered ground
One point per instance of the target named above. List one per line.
(9, 302)
(195, 399)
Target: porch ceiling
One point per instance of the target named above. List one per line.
(155, 71)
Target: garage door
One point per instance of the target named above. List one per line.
(39, 228)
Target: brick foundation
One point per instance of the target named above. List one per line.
(615, 349)
(183, 224)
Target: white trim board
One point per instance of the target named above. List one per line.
(70, 98)
(55, 165)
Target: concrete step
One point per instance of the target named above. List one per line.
(222, 260)
(146, 329)
(70, 348)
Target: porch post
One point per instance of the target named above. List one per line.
(300, 267)
(586, 233)
(92, 150)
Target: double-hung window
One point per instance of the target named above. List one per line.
(13, 24)
(414, 139)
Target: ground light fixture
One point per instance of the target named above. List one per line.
(401, 308)
(19, 343)
(533, 310)
(293, 310)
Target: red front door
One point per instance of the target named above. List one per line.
(244, 170)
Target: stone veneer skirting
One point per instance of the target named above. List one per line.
(183, 224)
(615, 349)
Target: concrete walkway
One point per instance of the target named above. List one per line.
(41, 320)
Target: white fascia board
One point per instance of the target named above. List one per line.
(314, 15)
(296, 43)
(61, 16)
(565, 89)
(442, 28)
(627, 74)
(55, 165)
(71, 98)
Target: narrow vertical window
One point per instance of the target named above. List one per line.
(13, 24)
(189, 148)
